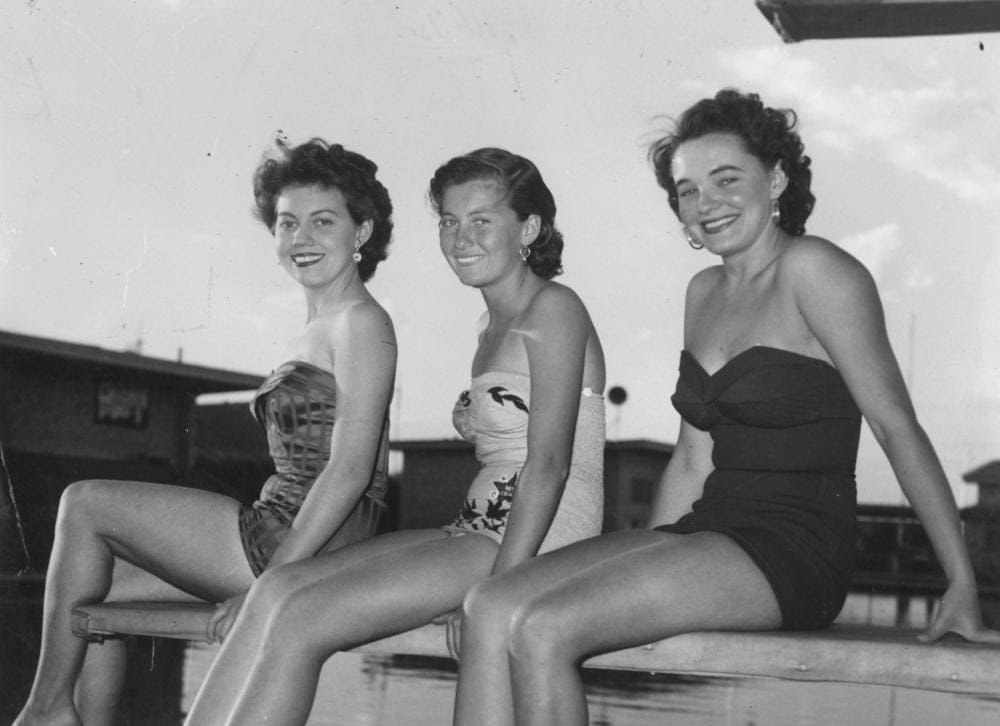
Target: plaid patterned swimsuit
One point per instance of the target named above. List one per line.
(296, 406)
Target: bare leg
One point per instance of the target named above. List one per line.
(529, 628)
(183, 536)
(484, 696)
(302, 613)
(99, 686)
(688, 582)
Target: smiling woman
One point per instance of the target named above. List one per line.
(533, 410)
(753, 525)
(325, 414)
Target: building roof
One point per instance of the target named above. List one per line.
(455, 444)
(985, 475)
(202, 378)
(647, 445)
(656, 447)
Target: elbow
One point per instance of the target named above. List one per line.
(901, 428)
(550, 468)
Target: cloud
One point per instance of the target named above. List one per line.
(941, 128)
(876, 248)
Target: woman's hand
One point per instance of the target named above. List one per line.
(959, 613)
(223, 618)
(453, 622)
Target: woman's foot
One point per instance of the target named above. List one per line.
(62, 717)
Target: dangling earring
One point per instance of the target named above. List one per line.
(357, 251)
(695, 244)
(776, 212)
(525, 253)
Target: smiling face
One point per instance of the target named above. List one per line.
(315, 234)
(724, 192)
(480, 235)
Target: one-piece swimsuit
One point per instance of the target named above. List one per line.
(296, 406)
(492, 414)
(785, 439)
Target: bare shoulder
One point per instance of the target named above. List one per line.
(555, 301)
(702, 283)
(815, 264)
(367, 316)
(362, 326)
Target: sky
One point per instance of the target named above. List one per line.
(129, 133)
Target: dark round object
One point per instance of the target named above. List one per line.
(617, 395)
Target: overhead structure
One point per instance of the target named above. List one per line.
(814, 19)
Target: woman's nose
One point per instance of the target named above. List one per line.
(463, 237)
(707, 200)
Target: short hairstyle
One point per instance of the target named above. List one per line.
(524, 191)
(767, 133)
(316, 163)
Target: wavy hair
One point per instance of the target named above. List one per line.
(524, 191)
(317, 163)
(767, 133)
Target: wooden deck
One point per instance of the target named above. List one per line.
(842, 654)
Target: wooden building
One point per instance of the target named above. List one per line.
(70, 411)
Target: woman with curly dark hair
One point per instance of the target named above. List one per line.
(325, 413)
(753, 528)
(534, 412)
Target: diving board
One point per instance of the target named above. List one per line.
(869, 655)
(796, 20)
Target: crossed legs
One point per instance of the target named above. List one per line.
(526, 631)
(126, 540)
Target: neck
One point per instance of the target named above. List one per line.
(506, 299)
(745, 266)
(324, 300)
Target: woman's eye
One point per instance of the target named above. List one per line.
(286, 224)
(685, 192)
(446, 223)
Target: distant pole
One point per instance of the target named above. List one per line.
(617, 396)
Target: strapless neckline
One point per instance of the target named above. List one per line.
(305, 364)
(747, 352)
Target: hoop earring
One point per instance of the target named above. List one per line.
(525, 253)
(776, 212)
(357, 251)
(695, 244)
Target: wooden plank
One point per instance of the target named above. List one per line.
(842, 654)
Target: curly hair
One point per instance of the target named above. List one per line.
(524, 191)
(768, 134)
(317, 163)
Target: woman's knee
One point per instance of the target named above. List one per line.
(538, 632)
(487, 609)
(269, 591)
(80, 501)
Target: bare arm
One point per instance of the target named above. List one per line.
(364, 366)
(557, 330)
(683, 479)
(840, 304)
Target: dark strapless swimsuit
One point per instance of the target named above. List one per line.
(297, 407)
(785, 432)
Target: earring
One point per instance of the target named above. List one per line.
(357, 251)
(695, 244)
(775, 212)
(525, 253)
